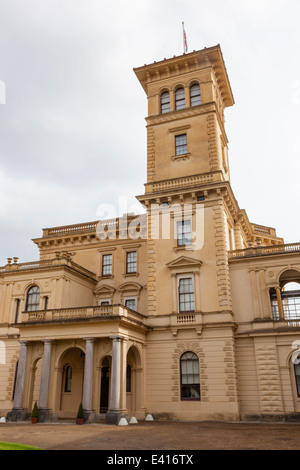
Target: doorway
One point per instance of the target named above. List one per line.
(104, 390)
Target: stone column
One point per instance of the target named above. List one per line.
(44, 386)
(18, 412)
(114, 413)
(279, 302)
(88, 376)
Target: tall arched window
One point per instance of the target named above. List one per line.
(189, 376)
(165, 102)
(179, 99)
(128, 378)
(33, 299)
(195, 97)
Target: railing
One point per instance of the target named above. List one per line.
(58, 261)
(264, 251)
(185, 181)
(81, 313)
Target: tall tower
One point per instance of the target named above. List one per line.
(187, 167)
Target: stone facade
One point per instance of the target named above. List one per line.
(183, 312)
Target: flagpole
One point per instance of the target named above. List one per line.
(183, 37)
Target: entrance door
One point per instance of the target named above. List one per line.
(104, 389)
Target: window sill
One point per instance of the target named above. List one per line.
(110, 276)
(184, 248)
(131, 275)
(184, 156)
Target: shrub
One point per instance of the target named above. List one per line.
(80, 413)
(35, 411)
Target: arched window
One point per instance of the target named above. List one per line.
(33, 299)
(165, 102)
(68, 379)
(179, 99)
(195, 97)
(297, 374)
(189, 376)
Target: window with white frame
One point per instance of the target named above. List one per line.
(189, 376)
(180, 144)
(165, 102)
(106, 265)
(186, 294)
(131, 262)
(195, 97)
(179, 99)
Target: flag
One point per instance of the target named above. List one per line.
(185, 46)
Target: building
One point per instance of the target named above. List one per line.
(188, 311)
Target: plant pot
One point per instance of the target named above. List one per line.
(80, 420)
(34, 420)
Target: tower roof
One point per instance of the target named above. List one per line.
(211, 56)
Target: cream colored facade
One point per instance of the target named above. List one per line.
(183, 312)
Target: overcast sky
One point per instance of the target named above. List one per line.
(72, 127)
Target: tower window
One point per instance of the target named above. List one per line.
(107, 265)
(165, 102)
(131, 262)
(179, 99)
(186, 295)
(195, 97)
(180, 144)
(33, 299)
(184, 233)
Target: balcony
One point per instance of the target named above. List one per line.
(264, 251)
(103, 312)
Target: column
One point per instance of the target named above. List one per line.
(279, 302)
(114, 413)
(88, 375)
(44, 386)
(20, 380)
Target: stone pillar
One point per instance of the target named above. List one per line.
(88, 377)
(18, 413)
(44, 386)
(114, 413)
(279, 302)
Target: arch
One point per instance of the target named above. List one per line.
(133, 380)
(288, 275)
(189, 376)
(68, 400)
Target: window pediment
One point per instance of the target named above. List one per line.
(184, 263)
(103, 289)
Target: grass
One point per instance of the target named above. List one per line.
(14, 446)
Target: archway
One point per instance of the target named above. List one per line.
(133, 381)
(72, 367)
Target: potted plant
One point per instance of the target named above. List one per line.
(80, 415)
(35, 414)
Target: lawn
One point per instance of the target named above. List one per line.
(13, 446)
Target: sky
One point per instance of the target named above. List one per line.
(72, 112)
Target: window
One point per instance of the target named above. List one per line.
(68, 379)
(104, 302)
(107, 265)
(189, 376)
(184, 233)
(195, 97)
(130, 303)
(165, 102)
(179, 99)
(33, 299)
(128, 378)
(180, 144)
(131, 262)
(297, 375)
(186, 295)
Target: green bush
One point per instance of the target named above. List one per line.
(80, 413)
(35, 411)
